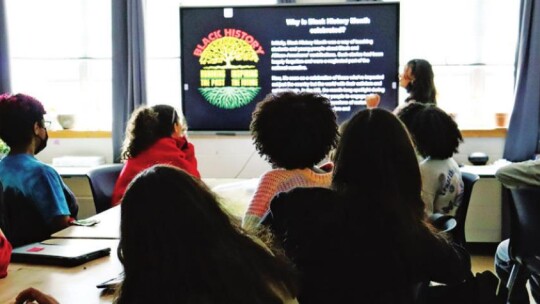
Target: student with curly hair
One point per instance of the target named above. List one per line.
(43, 204)
(154, 135)
(374, 200)
(294, 132)
(436, 137)
(186, 249)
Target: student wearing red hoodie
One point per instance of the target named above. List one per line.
(5, 254)
(154, 135)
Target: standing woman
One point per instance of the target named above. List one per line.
(154, 135)
(418, 80)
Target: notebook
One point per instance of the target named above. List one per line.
(58, 254)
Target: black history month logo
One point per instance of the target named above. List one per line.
(229, 77)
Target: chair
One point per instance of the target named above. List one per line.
(102, 180)
(443, 222)
(524, 245)
(458, 233)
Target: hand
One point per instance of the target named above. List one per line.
(31, 295)
(372, 100)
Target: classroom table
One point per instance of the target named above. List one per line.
(234, 194)
(486, 171)
(67, 284)
(107, 228)
(78, 284)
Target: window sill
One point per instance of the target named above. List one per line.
(498, 132)
(79, 134)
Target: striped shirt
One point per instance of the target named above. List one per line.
(276, 181)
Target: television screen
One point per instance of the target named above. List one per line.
(232, 57)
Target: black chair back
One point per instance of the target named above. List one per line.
(102, 180)
(443, 222)
(525, 227)
(458, 233)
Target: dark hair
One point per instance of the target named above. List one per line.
(434, 132)
(422, 89)
(179, 246)
(146, 126)
(377, 175)
(375, 159)
(294, 130)
(18, 114)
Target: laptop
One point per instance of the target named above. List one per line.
(51, 253)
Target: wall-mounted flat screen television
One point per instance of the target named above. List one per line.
(232, 57)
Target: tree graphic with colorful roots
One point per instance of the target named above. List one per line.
(228, 53)
(226, 50)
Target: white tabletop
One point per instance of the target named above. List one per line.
(66, 284)
(107, 228)
(234, 194)
(484, 171)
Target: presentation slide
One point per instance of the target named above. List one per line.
(232, 57)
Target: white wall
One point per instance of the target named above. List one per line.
(232, 156)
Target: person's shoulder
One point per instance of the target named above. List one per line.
(510, 167)
(29, 163)
(45, 168)
(277, 174)
(299, 198)
(308, 192)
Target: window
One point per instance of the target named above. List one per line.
(61, 54)
(471, 45)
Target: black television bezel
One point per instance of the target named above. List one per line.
(246, 131)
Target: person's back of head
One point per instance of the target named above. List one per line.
(434, 132)
(422, 87)
(375, 160)
(177, 245)
(146, 126)
(377, 175)
(294, 130)
(18, 114)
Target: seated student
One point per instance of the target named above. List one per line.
(520, 174)
(39, 201)
(154, 135)
(366, 240)
(5, 254)
(436, 137)
(183, 248)
(294, 132)
(517, 175)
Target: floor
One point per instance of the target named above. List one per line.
(482, 258)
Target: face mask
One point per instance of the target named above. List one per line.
(42, 143)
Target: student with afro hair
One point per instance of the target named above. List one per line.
(436, 137)
(294, 132)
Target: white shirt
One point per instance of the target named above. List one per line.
(442, 186)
